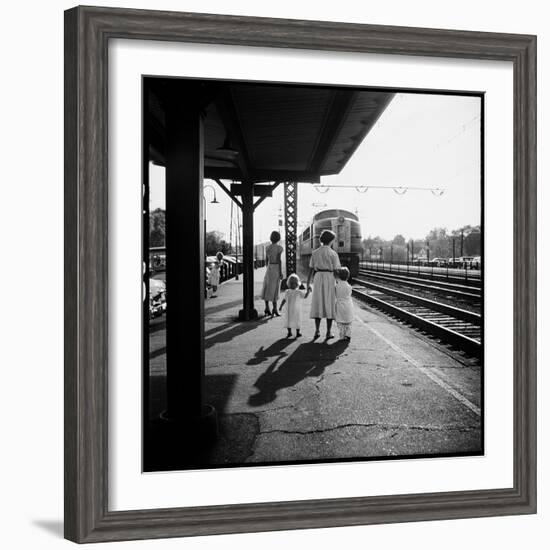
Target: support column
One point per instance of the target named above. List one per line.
(291, 226)
(248, 312)
(185, 271)
(145, 220)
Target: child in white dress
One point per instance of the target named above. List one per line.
(214, 277)
(344, 304)
(292, 314)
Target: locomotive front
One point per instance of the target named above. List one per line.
(345, 225)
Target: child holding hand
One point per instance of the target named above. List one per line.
(292, 314)
(344, 304)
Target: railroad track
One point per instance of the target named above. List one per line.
(471, 294)
(458, 327)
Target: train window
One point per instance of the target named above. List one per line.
(334, 214)
(307, 234)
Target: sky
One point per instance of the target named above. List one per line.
(420, 140)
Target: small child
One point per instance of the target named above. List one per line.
(214, 277)
(344, 304)
(292, 315)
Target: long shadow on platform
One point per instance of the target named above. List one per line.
(309, 359)
(216, 309)
(228, 335)
(219, 328)
(157, 352)
(274, 350)
(157, 324)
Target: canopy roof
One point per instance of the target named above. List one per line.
(281, 132)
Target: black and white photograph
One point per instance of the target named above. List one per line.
(313, 265)
(275, 275)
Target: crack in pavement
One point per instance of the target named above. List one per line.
(263, 411)
(384, 427)
(318, 381)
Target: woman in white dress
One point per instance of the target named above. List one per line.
(322, 266)
(273, 274)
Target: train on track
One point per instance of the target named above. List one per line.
(348, 241)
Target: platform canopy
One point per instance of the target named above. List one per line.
(248, 133)
(277, 132)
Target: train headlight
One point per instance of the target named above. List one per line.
(341, 219)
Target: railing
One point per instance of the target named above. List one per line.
(230, 267)
(465, 270)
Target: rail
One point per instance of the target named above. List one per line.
(461, 291)
(460, 328)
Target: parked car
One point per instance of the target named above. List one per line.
(157, 297)
(439, 262)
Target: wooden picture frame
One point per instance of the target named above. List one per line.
(87, 33)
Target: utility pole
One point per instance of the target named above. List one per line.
(453, 250)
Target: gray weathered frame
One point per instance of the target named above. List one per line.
(87, 33)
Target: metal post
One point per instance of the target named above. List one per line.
(237, 245)
(204, 230)
(185, 376)
(248, 312)
(146, 267)
(291, 225)
(453, 252)
(447, 262)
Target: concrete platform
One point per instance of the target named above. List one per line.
(389, 392)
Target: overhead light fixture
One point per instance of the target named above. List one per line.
(226, 150)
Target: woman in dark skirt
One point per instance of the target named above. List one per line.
(273, 274)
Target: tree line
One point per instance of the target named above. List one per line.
(214, 240)
(438, 243)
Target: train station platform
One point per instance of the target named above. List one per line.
(388, 392)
